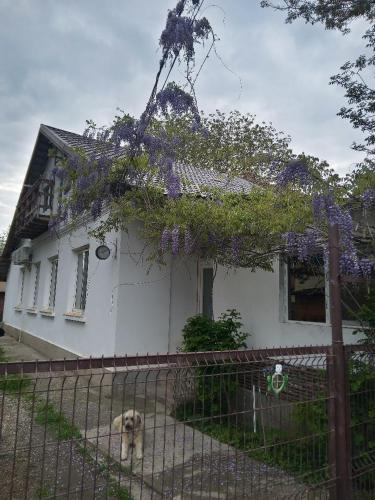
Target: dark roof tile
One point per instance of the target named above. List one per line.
(193, 179)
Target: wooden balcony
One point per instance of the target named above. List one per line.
(34, 210)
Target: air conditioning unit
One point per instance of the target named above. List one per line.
(23, 253)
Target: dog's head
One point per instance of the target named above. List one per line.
(132, 420)
(128, 421)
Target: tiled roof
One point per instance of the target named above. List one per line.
(193, 178)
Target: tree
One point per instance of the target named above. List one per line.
(3, 238)
(289, 208)
(355, 75)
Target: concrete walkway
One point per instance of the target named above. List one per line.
(17, 351)
(179, 462)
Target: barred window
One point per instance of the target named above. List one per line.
(36, 284)
(53, 282)
(22, 286)
(81, 283)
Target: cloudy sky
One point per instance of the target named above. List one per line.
(65, 61)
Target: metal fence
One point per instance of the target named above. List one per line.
(203, 425)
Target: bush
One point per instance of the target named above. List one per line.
(205, 334)
(215, 385)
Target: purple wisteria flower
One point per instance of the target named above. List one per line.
(165, 240)
(294, 171)
(367, 266)
(319, 206)
(173, 184)
(96, 208)
(368, 198)
(175, 240)
(303, 245)
(189, 242)
(176, 99)
(181, 32)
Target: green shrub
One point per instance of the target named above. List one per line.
(205, 334)
(215, 385)
(366, 318)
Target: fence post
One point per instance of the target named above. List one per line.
(339, 445)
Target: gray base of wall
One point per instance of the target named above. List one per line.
(47, 349)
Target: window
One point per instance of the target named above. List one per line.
(306, 290)
(207, 291)
(36, 284)
(53, 281)
(22, 286)
(81, 283)
(47, 198)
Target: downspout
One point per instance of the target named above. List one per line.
(170, 307)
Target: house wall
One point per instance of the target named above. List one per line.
(184, 297)
(92, 334)
(154, 301)
(143, 300)
(259, 297)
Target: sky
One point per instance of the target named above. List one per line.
(63, 62)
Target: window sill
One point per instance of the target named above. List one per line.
(350, 326)
(31, 310)
(50, 313)
(75, 316)
(298, 322)
(18, 308)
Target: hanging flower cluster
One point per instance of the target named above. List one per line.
(131, 153)
(90, 177)
(306, 244)
(295, 171)
(368, 198)
(181, 33)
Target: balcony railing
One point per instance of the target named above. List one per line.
(35, 209)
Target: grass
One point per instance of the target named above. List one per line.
(303, 456)
(63, 430)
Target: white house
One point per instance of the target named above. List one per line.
(64, 300)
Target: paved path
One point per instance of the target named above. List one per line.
(17, 351)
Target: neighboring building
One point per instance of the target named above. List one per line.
(62, 299)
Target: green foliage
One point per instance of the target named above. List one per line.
(119, 492)
(3, 239)
(355, 76)
(258, 220)
(216, 385)
(234, 144)
(46, 414)
(366, 317)
(14, 384)
(304, 456)
(205, 334)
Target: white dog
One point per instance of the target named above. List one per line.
(130, 424)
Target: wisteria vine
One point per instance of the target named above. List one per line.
(288, 212)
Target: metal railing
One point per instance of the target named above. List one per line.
(206, 425)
